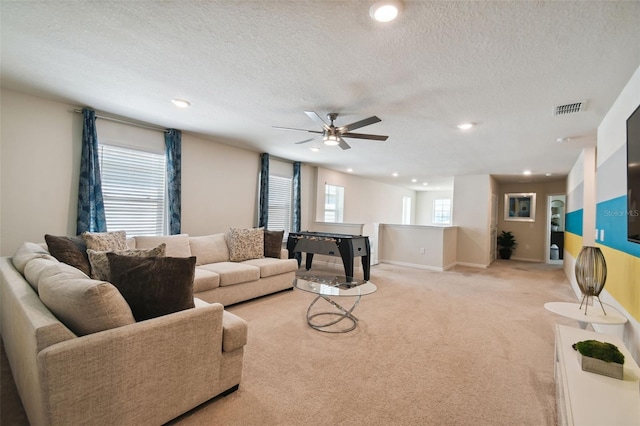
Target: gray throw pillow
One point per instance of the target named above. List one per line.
(153, 286)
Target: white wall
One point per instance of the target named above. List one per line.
(424, 205)
(365, 201)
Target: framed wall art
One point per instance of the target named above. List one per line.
(520, 207)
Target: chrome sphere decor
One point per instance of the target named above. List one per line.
(591, 274)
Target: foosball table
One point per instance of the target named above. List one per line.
(348, 247)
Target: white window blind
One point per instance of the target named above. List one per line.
(280, 205)
(442, 211)
(134, 190)
(333, 203)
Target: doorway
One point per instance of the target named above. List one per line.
(556, 210)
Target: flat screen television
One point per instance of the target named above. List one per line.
(633, 177)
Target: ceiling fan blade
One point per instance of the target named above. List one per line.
(343, 144)
(315, 117)
(364, 136)
(298, 130)
(308, 140)
(367, 121)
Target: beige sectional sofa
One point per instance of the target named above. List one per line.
(81, 357)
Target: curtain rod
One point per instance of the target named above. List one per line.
(130, 123)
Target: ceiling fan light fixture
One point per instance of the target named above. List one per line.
(385, 11)
(181, 103)
(331, 140)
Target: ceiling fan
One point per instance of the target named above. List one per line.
(332, 135)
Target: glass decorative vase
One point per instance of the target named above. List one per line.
(591, 274)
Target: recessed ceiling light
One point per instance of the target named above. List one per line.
(548, 174)
(414, 180)
(465, 126)
(314, 149)
(562, 140)
(181, 103)
(350, 170)
(385, 11)
(425, 183)
(394, 174)
(526, 172)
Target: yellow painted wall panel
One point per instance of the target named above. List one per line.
(572, 244)
(623, 279)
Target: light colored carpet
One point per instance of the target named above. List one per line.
(461, 347)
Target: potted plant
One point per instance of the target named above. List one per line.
(506, 244)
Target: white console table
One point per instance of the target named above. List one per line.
(586, 314)
(586, 398)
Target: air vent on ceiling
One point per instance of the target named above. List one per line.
(568, 108)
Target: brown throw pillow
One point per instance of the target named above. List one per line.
(153, 286)
(69, 250)
(273, 243)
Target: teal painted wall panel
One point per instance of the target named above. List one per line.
(573, 222)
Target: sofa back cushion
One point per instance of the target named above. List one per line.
(176, 245)
(84, 305)
(34, 269)
(209, 249)
(26, 252)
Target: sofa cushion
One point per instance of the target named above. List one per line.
(100, 262)
(26, 252)
(176, 245)
(69, 250)
(154, 286)
(204, 280)
(269, 266)
(273, 243)
(209, 249)
(103, 241)
(84, 305)
(245, 244)
(233, 273)
(34, 269)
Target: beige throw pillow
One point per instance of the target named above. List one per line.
(245, 244)
(104, 241)
(100, 262)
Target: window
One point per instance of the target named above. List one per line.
(280, 203)
(333, 203)
(133, 189)
(406, 210)
(442, 211)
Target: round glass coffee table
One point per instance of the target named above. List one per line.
(326, 287)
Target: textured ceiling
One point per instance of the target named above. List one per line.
(249, 65)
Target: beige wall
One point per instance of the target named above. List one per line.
(471, 214)
(40, 157)
(530, 236)
(426, 247)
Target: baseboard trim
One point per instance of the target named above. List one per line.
(413, 265)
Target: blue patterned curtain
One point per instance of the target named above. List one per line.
(263, 207)
(173, 144)
(90, 203)
(296, 197)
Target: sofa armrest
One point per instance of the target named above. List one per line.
(284, 253)
(144, 373)
(234, 332)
